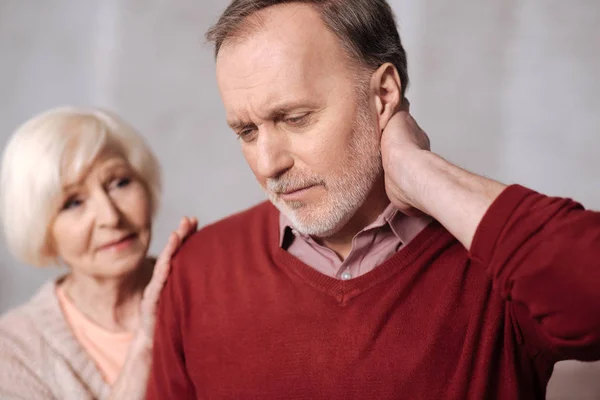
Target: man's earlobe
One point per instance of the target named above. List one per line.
(378, 105)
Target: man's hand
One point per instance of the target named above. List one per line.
(417, 180)
(401, 140)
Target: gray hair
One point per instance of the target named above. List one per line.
(366, 29)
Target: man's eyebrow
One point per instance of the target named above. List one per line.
(237, 125)
(286, 107)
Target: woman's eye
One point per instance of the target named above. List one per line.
(120, 183)
(123, 182)
(72, 203)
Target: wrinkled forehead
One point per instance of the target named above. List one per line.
(291, 53)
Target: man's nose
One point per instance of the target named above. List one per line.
(273, 155)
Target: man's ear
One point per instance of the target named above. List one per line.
(387, 89)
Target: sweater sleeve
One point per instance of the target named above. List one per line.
(543, 254)
(168, 376)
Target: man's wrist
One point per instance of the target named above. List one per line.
(413, 171)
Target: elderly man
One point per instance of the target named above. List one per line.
(378, 270)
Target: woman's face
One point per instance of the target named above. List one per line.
(103, 227)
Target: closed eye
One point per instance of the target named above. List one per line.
(297, 120)
(247, 134)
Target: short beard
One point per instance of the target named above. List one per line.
(347, 192)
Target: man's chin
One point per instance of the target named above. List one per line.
(315, 227)
(308, 221)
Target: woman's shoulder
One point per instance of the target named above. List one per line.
(39, 353)
(28, 319)
(23, 344)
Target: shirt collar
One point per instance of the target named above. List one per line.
(403, 226)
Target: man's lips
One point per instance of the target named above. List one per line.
(295, 194)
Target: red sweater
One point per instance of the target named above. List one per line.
(240, 318)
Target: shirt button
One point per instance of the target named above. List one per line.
(346, 276)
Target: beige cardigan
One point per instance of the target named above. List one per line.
(40, 358)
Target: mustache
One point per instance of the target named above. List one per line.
(289, 183)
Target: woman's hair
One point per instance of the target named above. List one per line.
(46, 152)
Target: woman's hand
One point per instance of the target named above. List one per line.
(133, 379)
(149, 304)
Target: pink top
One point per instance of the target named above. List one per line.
(107, 349)
(370, 247)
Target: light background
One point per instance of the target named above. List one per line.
(505, 88)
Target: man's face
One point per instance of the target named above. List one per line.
(306, 129)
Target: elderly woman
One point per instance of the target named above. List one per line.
(79, 188)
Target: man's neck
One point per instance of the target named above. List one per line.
(374, 205)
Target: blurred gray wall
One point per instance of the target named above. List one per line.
(506, 88)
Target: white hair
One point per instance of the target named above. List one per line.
(45, 152)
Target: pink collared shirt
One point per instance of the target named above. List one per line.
(370, 247)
